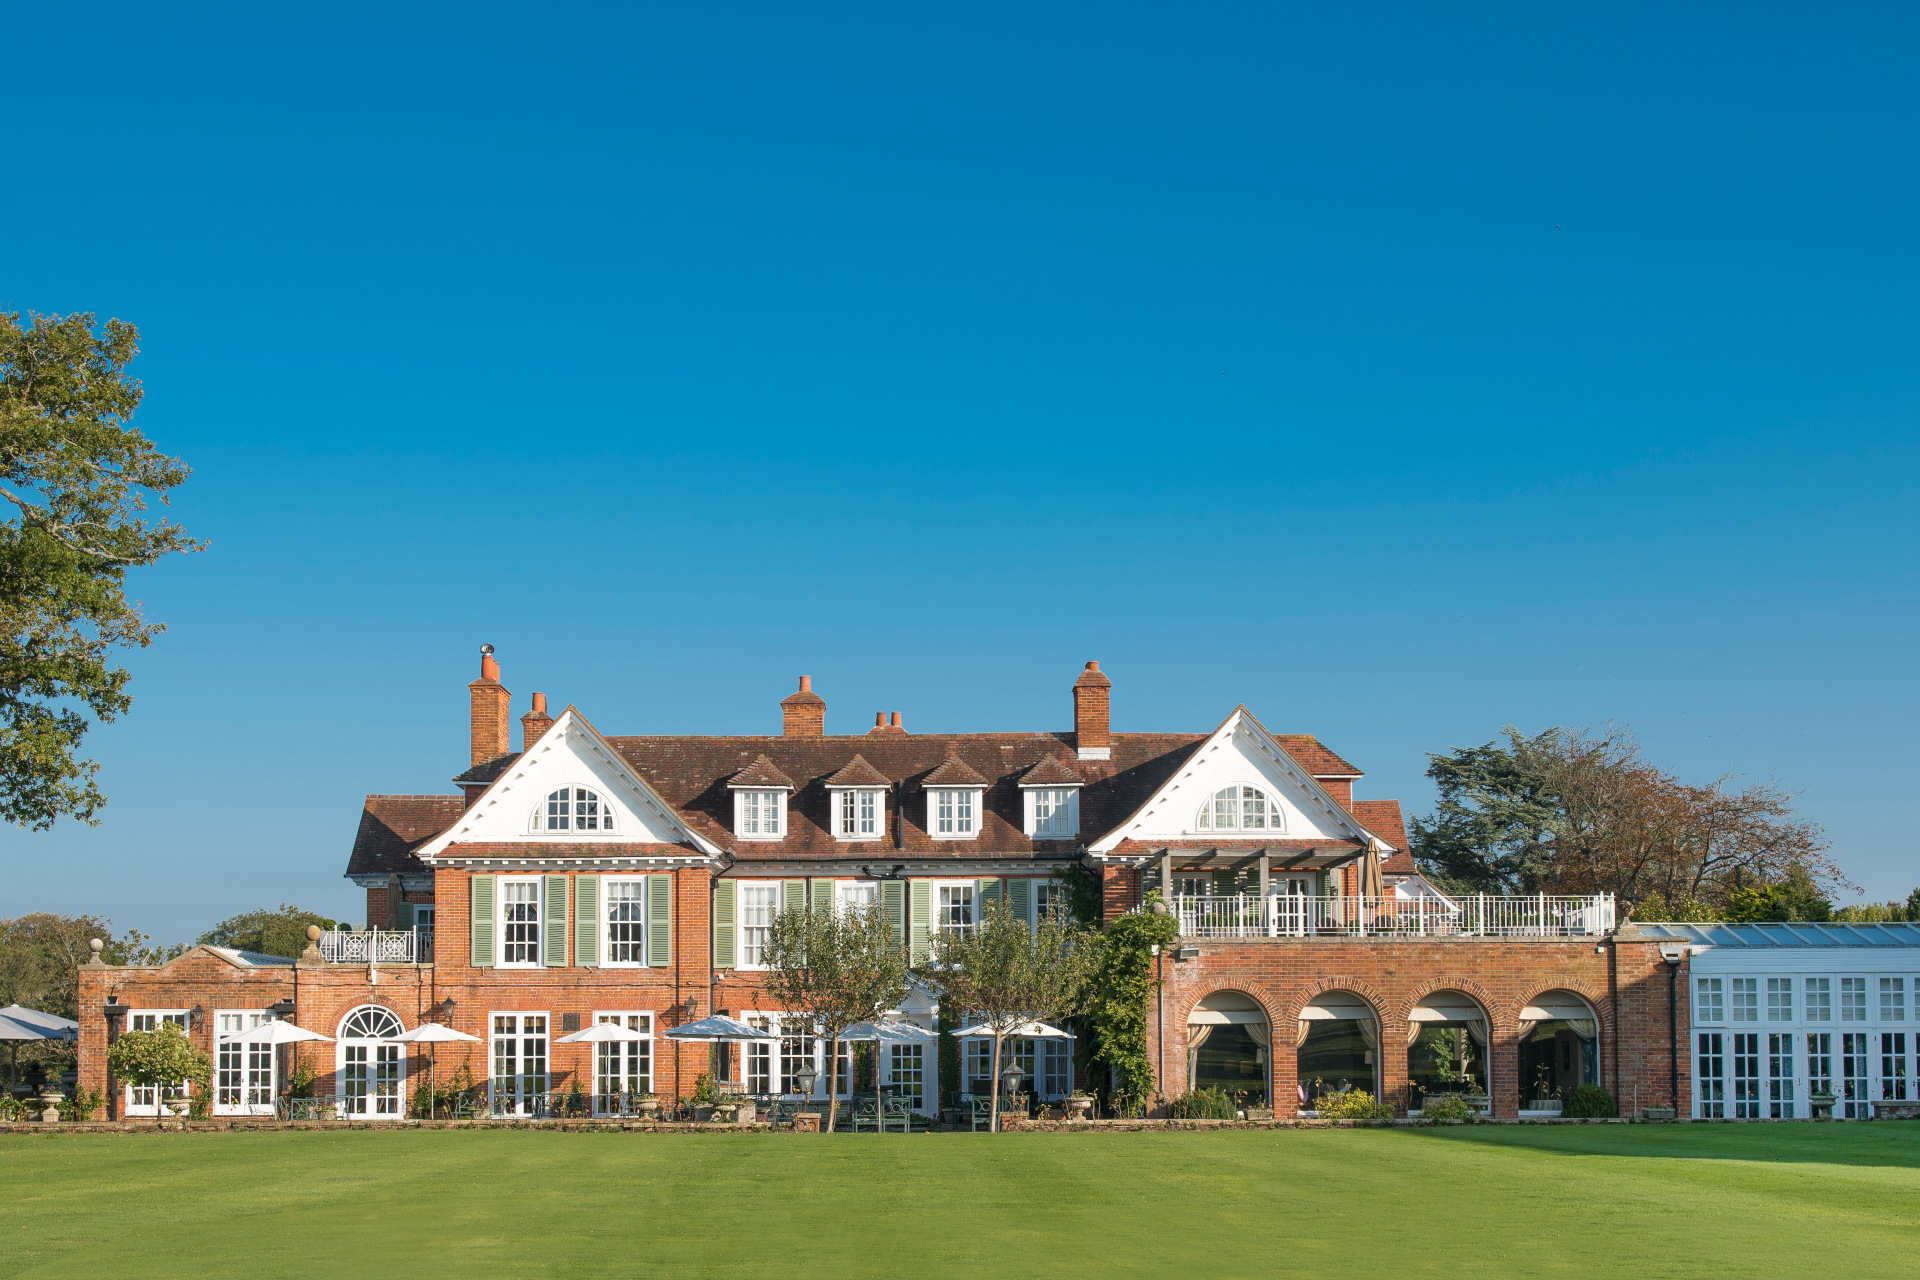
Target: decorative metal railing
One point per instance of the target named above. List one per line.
(1469, 916)
(371, 946)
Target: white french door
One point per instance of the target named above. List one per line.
(245, 1080)
(145, 1100)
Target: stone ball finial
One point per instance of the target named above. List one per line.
(1159, 908)
(94, 945)
(313, 933)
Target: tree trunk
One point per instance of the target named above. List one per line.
(833, 1083)
(993, 1086)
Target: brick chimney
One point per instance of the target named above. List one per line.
(535, 722)
(885, 730)
(803, 714)
(492, 707)
(1090, 714)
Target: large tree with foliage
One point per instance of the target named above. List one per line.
(79, 477)
(1567, 811)
(833, 968)
(1003, 972)
(273, 933)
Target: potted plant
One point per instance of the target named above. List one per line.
(1543, 1096)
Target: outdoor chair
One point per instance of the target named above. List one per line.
(982, 1112)
(896, 1113)
(866, 1111)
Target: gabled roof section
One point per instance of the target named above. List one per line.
(571, 752)
(1051, 771)
(761, 773)
(392, 829)
(858, 773)
(1334, 821)
(1382, 818)
(954, 772)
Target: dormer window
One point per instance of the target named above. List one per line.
(859, 813)
(1053, 813)
(761, 815)
(1240, 808)
(574, 809)
(956, 813)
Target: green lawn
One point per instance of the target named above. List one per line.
(1642, 1201)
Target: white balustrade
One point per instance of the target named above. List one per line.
(370, 946)
(1247, 915)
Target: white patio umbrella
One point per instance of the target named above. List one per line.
(19, 1025)
(1023, 1030)
(432, 1033)
(718, 1027)
(276, 1033)
(602, 1033)
(889, 1033)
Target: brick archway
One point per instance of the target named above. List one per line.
(1351, 985)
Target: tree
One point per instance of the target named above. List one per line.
(1003, 973)
(1117, 1003)
(273, 933)
(1493, 828)
(835, 968)
(79, 475)
(40, 958)
(1566, 811)
(160, 1059)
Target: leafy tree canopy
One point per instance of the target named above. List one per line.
(79, 476)
(274, 933)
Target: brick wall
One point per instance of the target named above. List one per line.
(1625, 982)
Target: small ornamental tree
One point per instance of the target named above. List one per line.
(835, 969)
(1003, 973)
(1117, 1012)
(161, 1059)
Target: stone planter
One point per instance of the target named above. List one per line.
(648, 1110)
(1079, 1108)
(1896, 1110)
(1550, 1106)
(1656, 1113)
(1822, 1104)
(807, 1122)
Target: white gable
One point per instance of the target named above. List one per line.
(1238, 753)
(571, 754)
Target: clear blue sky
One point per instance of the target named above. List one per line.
(1401, 373)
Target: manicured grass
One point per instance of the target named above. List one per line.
(1642, 1201)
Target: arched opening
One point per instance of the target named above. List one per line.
(1446, 1049)
(372, 1066)
(1338, 1043)
(1229, 1047)
(1559, 1049)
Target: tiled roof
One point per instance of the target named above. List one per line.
(579, 849)
(1052, 771)
(954, 772)
(859, 773)
(761, 773)
(1382, 817)
(392, 827)
(487, 770)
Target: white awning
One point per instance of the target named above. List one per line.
(1331, 1013)
(1225, 1017)
(1556, 1011)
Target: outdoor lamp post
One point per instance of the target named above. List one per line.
(1011, 1075)
(805, 1077)
(1673, 955)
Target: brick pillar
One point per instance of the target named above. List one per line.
(1284, 1061)
(1392, 1055)
(1503, 1080)
(491, 708)
(803, 714)
(1092, 693)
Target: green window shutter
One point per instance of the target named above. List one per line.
(553, 925)
(403, 914)
(820, 891)
(723, 930)
(659, 921)
(480, 917)
(893, 898)
(586, 921)
(922, 920)
(985, 891)
(1223, 883)
(1020, 897)
(793, 895)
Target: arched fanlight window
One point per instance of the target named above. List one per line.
(577, 809)
(1239, 808)
(370, 1023)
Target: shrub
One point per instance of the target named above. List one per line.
(1202, 1104)
(1590, 1101)
(1355, 1104)
(1454, 1108)
(81, 1105)
(163, 1057)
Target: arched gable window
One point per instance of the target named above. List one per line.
(370, 1023)
(576, 809)
(1239, 808)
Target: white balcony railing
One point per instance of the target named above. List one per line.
(1247, 915)
(371, 946)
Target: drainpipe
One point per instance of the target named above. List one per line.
(1160, 1015)
(1673, 955)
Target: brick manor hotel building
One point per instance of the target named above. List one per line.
(589, 878)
